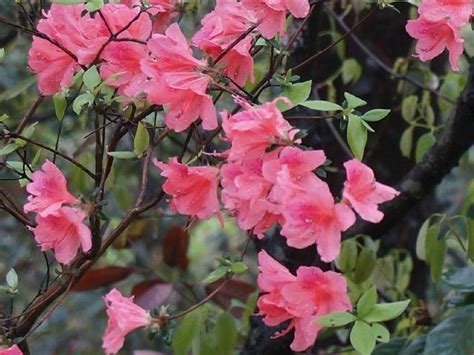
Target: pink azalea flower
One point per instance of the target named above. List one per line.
(458, 12)
(301, 299)
(311, 216)
(434, 37)
(178, 82)
(48, 191)
(271, 14)
(64, 232)
(124, 317)
(12, 350)
(363, 193)
(245, 191)
(220, 28)
(122, 68)
(164, 11)
(55, 67)
(193, 188)
(256, 129)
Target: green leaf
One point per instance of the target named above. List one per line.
(81, 101)
(185, 333)
(122, 154)
(453, 336)
(429, 115)
(354, 101)
(4, 117)
(141, 140)
(351, 71)
(225, 333)
(362, 338)
(386, 311)
(94, 5)
(60, 105)
(12, 279)
(91, 77)
(217, 274)
(461, 279)
(406, 141)
(409, 105)
(8, 149)
(435, 252)
(425, 142)
(367, 126)
(238, 267)
(470, 238)
(366, 302)
(375, 115)
(421, 240)
(321, 105)
(365, 265)
(380, 332)
(297, 93)
(336, 319)
(347, 257)
(356, 136)
(2, 53)
(28, 132)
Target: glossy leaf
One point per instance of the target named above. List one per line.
(375, 115)
(321, 105)
(336, 319)
(362, 338)
(386, 311)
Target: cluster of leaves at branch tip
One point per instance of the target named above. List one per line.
(225, 270)
(357, 122)
(367, 330)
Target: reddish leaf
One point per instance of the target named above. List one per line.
(175, 247)
(151, 293)
(100, 277)
(233, 289)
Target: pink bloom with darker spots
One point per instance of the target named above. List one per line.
(256, 129)
(363, 193)
(177, 81)
(124, 317)
(193, 188)
(64, 232)
(457, 12)
(301, 299)
(48, 191)
(271, 14)
(220, 29)
(434, 36)
(312, 216)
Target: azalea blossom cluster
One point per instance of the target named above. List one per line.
(438, 28)
(59, 216)
(12, 350)
(266, 177)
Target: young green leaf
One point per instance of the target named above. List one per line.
(362, 338)
(141, 140)
(91, 78)
(336, 319)
(297, 93)
(216, 274)
(225, 333)
(356, 136)
(60, 104)
(81, 101)
(375, 115)
(122, 154)
(347, 257)
(406, 141)
(354, 101)
(366, 302)
(12, 279)
(386, 311)
(425, 142)
(365, 265)
(421, 240)
(321, 105)
(409, 105)
(351, 71)
(238, 267)
(9, 148)
(380, 332)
